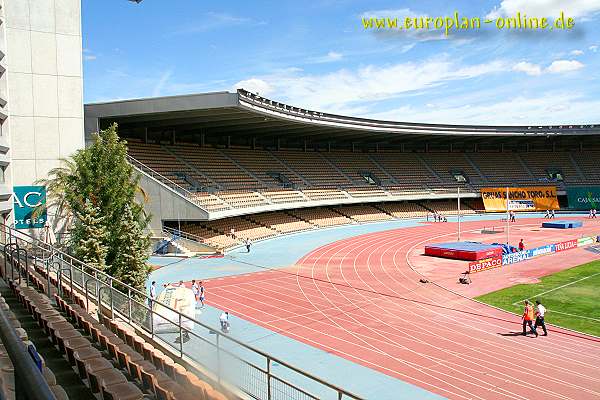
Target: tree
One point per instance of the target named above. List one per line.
(89, 237)
(130, 264)
(101, 175)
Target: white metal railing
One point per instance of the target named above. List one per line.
(230, 360)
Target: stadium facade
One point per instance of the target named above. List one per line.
(41, 90)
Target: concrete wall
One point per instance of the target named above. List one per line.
(166, 204)
(44, 86)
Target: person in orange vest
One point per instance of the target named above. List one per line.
(528, 319)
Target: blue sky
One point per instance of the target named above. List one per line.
(316, 54)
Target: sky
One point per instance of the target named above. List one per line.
(316, 54)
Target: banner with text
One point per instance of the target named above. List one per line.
(483, 265)
(584, 198)
(536, 198)
(30, 206)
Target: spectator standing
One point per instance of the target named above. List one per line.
(528, 319)
(202, 293)
(196, 290)
(224, 320)
(540, 311)
(152, 293)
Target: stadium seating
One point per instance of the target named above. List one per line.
(363, 213)
(321, 217)
(314, 168)
(241, 178)
(588, 165)
(403, 210)
(446, 207)
(109, 356)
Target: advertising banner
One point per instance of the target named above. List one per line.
(537, 198)
(584, 197)
(483, 265)
(584, 241)
(513, 258)
(30, 206)
(540, 251)
(566, 245)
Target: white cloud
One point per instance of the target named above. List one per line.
(88, 55)
(548, 108)
(546, 8)
(593, 48)
(577, 53)
(332, 56)
(560, 66)
(528, 68)
(344, 88)
(255, 85)
(212, 21)
(161, 83)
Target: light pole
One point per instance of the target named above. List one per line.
(507, 217)
(458, 200)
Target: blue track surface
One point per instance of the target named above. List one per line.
(281, 252)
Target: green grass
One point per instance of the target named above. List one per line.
(580, 298)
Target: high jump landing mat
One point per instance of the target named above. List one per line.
(562, 224)
(470, 251)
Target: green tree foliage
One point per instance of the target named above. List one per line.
(101, 175)
(130, 264)
(89, 237)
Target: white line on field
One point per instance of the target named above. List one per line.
(558, 287)
(574, 315)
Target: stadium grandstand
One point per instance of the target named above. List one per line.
(226, 167)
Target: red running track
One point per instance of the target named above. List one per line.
(358, 298)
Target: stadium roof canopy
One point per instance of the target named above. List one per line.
(246, 115)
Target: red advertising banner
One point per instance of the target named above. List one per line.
(489, 263)
(567, 245)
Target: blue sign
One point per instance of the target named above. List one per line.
(30, 206)
(513, 258)
(539, 251)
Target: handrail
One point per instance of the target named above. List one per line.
(86, 269)
(182, 234)
(149, 171)
(29, 381)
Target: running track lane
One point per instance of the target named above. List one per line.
(359, 299)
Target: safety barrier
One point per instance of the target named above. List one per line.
(233, 362)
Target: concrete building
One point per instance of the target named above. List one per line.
(41, 90)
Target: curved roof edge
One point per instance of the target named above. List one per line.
(277, 109)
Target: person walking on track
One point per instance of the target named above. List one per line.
(196, 290)
(201, 293)
(528, 319)
(540, 311)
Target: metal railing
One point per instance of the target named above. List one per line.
(176, 233)
(29, 381)
(253, 371)
(161, 178)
